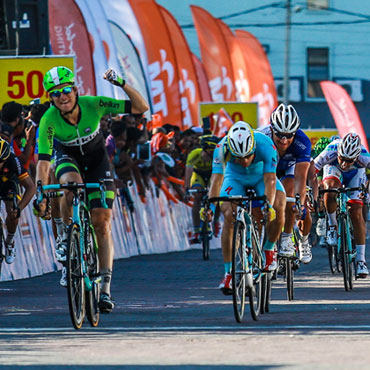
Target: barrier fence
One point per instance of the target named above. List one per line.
(158, 226)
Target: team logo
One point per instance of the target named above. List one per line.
(88, 129)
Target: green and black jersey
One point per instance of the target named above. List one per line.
(80, 139)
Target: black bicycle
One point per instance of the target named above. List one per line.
(205, 231)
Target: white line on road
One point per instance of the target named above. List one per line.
(194, 328)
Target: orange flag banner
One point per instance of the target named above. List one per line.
(163, 73)
(68, 35)
(205, 93)
(188, 82)
(343, 110)
(239, 66)
(223, 123)
(261, 81)
(215, 56)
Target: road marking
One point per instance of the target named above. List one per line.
(194, 328)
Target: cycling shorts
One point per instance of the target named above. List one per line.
(353, 178)
(92, 168)
(236, 185)
(198, 181)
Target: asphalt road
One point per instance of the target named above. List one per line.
(170, 315)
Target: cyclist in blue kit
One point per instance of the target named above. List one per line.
(246, 159)
(294, 156)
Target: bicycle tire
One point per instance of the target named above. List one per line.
(2, 255)
(264, 292)
(268, 292)
(75, 283)
(205, 241)
(92, 262)
(289, 278)
(255, 294)
(343, 253)
(238, 271)
(332, 258)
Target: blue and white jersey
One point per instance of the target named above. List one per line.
(298, 151)
(330, 156)
(265, 160)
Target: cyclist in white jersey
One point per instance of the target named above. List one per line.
(344, 162)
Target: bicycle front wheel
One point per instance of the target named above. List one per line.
(75, 283)
(255, 293)
(289, 278)
(332, 258)
(346, 265)
(238, 271)
(92, 261)
(205, 241)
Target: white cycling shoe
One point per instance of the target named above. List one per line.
(332, 236)
(305, 252)
(321, 227)
(10, 253)
(361, 269)
(286, 246)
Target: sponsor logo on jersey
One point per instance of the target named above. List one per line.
(88, 129)
(216, 161)
(108, 104)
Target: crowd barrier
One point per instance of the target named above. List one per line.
(158, 226)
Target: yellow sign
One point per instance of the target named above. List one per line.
(237, 111)
(21, 77)
(315, 135)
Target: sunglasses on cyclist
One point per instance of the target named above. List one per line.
(347, 160)
(281, 135)
(58, 92)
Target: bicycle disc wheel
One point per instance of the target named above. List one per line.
(92, 296)
(255, 294)
(75, 283)
(289, 278)
(205, 241)
(238, 271)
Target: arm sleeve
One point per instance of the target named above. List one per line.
(218, 164)
(45, 139)
(304, 154)
(109, 105)
(270, 158)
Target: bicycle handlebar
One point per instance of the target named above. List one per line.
(341, 190)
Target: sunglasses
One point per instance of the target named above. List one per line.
(58, 92)
(347, 160)
(281, 135)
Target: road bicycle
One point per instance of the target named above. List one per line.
(247, 256)
(205, 229)
(345, 247)
(10, 197)
(288, 265)
(83, 276)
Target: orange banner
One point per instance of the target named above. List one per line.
(343, 110)
(188, 82)
(163, 73)
(68, 35)
(205, 93)
(261, 81)
(215, 56)
(240, 72)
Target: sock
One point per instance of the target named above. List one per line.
(288, 235)
(9, 238)
(106, 276)
(332, 219)
(360, 253)
(59, 225)
(304, 238)
(268, 246)
(227, 267)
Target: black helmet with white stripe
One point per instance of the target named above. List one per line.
(285, 119)
(350, 146)
(240, 139)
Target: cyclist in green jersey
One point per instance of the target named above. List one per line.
(81, 155)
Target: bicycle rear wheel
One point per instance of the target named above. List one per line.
(75, 283)
(266, 292)
(238, 271)
(205, 240)
(332, 258)
(92, 261)
(255, 294)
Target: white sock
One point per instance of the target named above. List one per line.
(332, 219)
(360, 253)
(304, 238)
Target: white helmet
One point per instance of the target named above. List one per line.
(285, 119)
(240, 139)
(350, 146)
